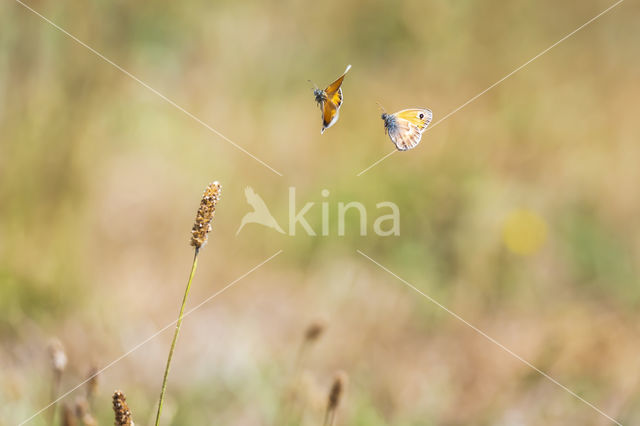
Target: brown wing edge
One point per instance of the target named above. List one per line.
(330, 114)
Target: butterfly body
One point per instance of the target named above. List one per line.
(405, 128)
(321, 96)
(330, 101)
(390, 123)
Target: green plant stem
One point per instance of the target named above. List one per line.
(175, 336)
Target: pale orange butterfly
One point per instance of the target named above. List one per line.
(405, 128)
(330, 100)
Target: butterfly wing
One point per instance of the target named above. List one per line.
(409, 126)
(417, 116)
(331, 110)
(405, 135)
(331, 107)
(335, 86)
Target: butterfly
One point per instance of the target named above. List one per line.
(405, 128)
(330, 100)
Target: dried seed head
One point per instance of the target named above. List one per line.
(202, 224)
(82, 407)
(58, 357)
(337, 390)
(314, 331)
(83, 412)
(68, 418)
(89, 420)
(121, 409)
(92, 384)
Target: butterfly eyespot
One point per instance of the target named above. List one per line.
(421, 115)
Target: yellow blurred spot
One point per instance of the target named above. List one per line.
(524, 232)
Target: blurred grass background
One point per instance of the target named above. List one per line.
(520, 212)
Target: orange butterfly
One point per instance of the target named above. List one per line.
(405, 128)
(330, 100)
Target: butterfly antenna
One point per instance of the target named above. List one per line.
(315, 86)
(381, 107)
